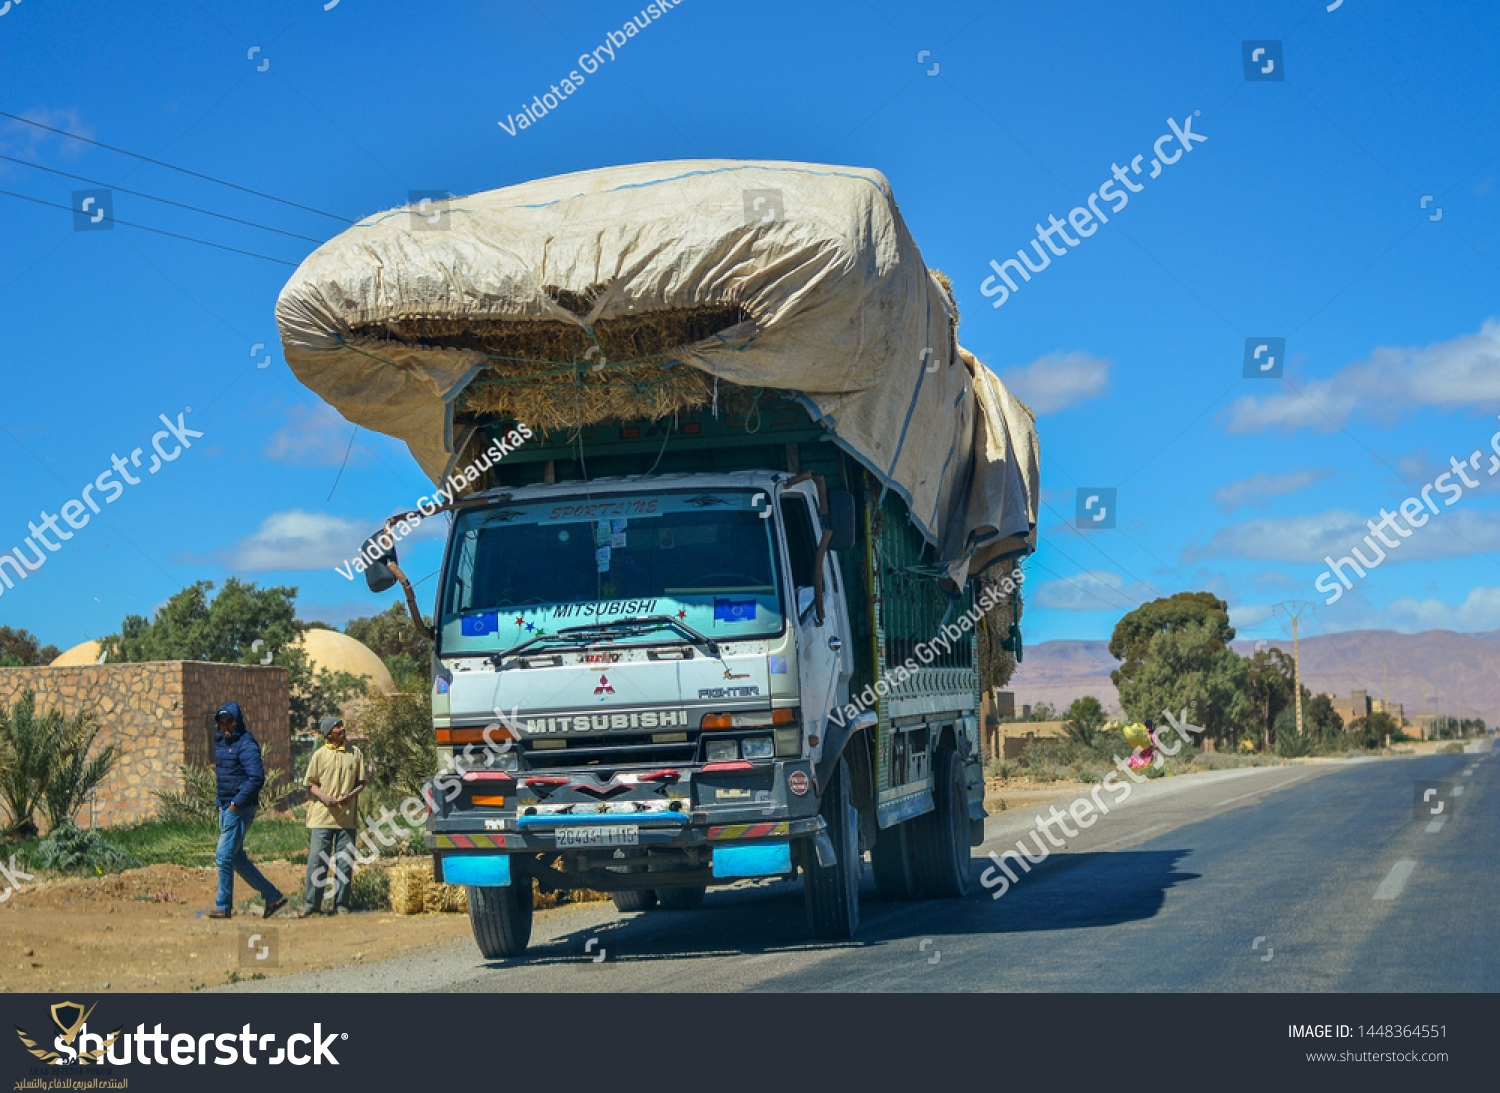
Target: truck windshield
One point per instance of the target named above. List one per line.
(519, 571)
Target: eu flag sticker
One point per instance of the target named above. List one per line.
(476, 626)
(734, 610)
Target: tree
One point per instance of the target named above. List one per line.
(1269, 686)
(22, 649)
(1322, 728)
(242, 624)
(392, 637)
(76, 770)
(1086, 717)
(1135, 632)
(1370, 731)
(45, 761)
(1188, 668)
(191, 626)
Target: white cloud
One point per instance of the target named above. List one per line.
(1479, 612)
(1089, 590)
(1452, 534)
(1058, 380)
(1456, 374)
(299, 540)
(314, 437)
(1259, 489)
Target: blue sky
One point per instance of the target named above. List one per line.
(1300, 217)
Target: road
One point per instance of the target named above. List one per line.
(1310, 877)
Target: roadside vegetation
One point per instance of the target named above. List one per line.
(1175, 655)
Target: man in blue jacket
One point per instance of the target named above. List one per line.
(240, 776)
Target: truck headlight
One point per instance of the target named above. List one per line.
(756, 747)
(722, 751)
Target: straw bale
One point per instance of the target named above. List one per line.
(409, 880)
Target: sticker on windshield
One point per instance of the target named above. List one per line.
(734, 610)
(601, 559)
(604, 607)
(476, 626)
(618, 525)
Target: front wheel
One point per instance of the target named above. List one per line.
(831, 893)
(501, 918)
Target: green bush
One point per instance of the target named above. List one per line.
(69, 849)
(197, 802)
(370, 890)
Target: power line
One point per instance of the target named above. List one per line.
(1085, 591)
(163, 200)
(1106, 557)
(154, 231)
(173, 167)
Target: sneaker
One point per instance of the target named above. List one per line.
(307, 912)
(272, 908)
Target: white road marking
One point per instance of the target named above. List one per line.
(1458, 791)
(1258, 792)
(1395, 880)
(1141, 834)
(1435, 825)
(1468, 772)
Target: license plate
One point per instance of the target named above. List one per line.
(611, 835)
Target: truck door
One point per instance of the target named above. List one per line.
(822, 653)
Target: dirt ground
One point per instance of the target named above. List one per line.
(143, 930)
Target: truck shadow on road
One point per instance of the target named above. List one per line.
(1068, 892)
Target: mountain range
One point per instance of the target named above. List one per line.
(1437, 671)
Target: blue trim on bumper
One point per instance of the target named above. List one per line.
(480, 870)
(755, 860)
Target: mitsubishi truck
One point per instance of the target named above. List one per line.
(732, 638)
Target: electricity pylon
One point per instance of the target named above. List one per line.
(1294, 610)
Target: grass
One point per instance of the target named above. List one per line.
(162, 841)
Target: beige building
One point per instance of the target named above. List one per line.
(160, 714)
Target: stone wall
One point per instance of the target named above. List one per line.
(160, 714)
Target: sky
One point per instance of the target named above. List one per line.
(1345, 201)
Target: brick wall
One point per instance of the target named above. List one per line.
(159, 714)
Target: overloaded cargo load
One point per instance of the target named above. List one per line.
(639, 292)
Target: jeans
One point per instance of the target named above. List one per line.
(332, 853)
(230, 858)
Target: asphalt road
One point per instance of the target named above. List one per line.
(1311, 877)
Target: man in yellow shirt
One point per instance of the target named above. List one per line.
(335, 776)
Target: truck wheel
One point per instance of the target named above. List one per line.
(501, 918)
(681, 899)
(895, 879)
(832, 894)
(941, 837)
(636, 899)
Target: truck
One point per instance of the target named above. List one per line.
(687, 637)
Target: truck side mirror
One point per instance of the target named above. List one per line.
(378, 577)
(841, 520)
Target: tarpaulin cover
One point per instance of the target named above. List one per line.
(842, 312)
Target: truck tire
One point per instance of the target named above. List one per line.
(832, 894)
(681, 899)
(636, 899)
(891, 859)
(501, 918)
(940, 838)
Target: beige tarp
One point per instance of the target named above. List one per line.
(841, 311)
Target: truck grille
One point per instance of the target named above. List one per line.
(611, 751)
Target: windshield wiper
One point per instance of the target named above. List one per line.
(611, 630)
(648, 622)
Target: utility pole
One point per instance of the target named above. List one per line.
(1294, 610)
